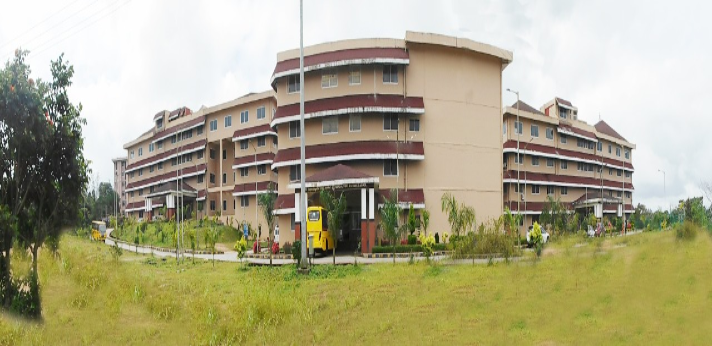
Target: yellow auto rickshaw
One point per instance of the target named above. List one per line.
(98, 230)
(317, 227)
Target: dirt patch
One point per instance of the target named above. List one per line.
(223, 247)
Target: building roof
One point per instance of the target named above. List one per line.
(604, 128)
(337, 172)
(563, 102)
(527, 108)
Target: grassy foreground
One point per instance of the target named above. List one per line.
(643, 289)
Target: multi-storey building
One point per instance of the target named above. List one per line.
(419, 117)
(408, 119)
(120, 182)
(588, 168)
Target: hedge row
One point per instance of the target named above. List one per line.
(406, 248)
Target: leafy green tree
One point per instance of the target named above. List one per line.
(335, 208)
(193, 243)
(460, 216)
(426, 220)
(43, 172)
(413, 223)
(266, 202)
(389, 221)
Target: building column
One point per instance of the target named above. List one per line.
(368, 221)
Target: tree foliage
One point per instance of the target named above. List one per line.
(266, 202)
(42, 167)
(389, 220)
(460, 216)
(335, 208)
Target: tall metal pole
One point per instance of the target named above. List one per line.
(516, 129)
(303, 196)
(623, 194)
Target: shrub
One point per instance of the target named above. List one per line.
(407, 248)
(287, 248)
(297, 251)
(412, 239)
(256, 247)
(241, 248)
(275, 248)
(686, 231)
(427, 244)
(437, 238)
(537, 239)
(404, 242)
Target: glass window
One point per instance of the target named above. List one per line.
(212, 178)
(549, 133)
(390, 122)
(535, 161)
(618, 152)
(330, 125)
(550, 162)
(199, 130)
(355, 122)
(224, 178)
(150, 147)
(414, 125)
(627, 154)
(160, 166)
(535, 189)
(140, 152)
(200, 155)
(600, 146)
(294, 173)
(261, 170)
(313, 215)
(355, 76)
(562, 138)
(261, 113)
(294, 130)
(244, 144)
(329, 78)
(550, 190)
(244, 201)
(212, 205)
(244, 117)
(160, 144)
(261, 141)
(390, 74)
(535, 131)
(293, 85)
(213, 125)
(564, 190)
(564, 164)
(159, 123)
(518, 127)
(150, 169)
(228, 120)
(201, 178)
(244, 171)
(390, 168)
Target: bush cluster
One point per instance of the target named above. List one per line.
(686, 231)
(407, 248)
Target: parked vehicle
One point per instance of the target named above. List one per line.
(317, 226)
(98, 230)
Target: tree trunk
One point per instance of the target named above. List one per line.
(5, 277)
(394, 251)
(333, 252)
(36, 311)
(270, 250)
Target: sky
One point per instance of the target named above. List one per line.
(642, 66)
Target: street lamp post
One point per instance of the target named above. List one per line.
(518, 129)
(302, 168)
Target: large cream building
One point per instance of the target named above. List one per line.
(420, 116)
(587, 167)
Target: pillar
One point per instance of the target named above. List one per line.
(368, 220)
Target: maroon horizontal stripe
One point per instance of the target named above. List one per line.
(350, 101)
(161, 156)
(340, 55)
(251, 158)
(133, 205)
(565, 152)
(539, 206)
(252, 130)
(169, 175)
(284, 202)
(250, 187)
(350, 148)
(557, 178)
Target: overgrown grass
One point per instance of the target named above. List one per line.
(228, 235)
(643, 289)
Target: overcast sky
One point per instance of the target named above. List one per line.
(644, 66)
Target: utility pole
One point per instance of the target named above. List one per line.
(302, 169)
(518, 129)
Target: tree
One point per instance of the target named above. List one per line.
(266, 202)
(193, 244)
(389, 221)
(213, 235)
(413, 223)
(537, 238)
(426, 221)
(42, 167)
(335, 208)
(460, 216)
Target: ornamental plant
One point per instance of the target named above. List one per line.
(241, 248)
(427, 243)
(537, 239)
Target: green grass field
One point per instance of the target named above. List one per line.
(644, 289)
(228, 235)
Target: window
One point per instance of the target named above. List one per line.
(131, 155)
(292, 221)
(535, 189)
(224, 178)
(518, 127)
(244, 171)
(330, 125)
(627, 154)
(200, 155)
(564, 164)
(245, 201)
(213, 125)
(390, 74)
(244, 144)
(150, 147)
(261, 141)
(618, 152)
(620, 194)
(261, 113)
(610, 193)
(627, 174)
(201, 178)
(563, 113)
(173, 139)
(244, 117)
(150, 169)
(414, 125)
(224, 154)
(293, 85)
(329, 78)
(550, 190)
(132, 194)
(212, 178)
(390, 122)
(549, 162)
(234, 206)
(516, 188)
(294, 130)
(564, 190)
(586, 167)
(151, 189)
(212, 205)
(535, 131)
(234, 176)
(609, 148)
(212, 154)
(518, 159)
(627, 194)
(131, 175)
(160, 166)
(228, 120)
(620, 172)
(355, 76)
(160, 144)
(140, 152)
(535, 161)
(562, 138)
(504, 128)
(140, 172)
(294, 173)
(261, 170)
(159, 123)
(390, 168)
(140, 192)
(355, 123)
(199, 130)
(600, 146)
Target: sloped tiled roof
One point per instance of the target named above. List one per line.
(338, 172)
(563, 102)
(604, 128)
(527, 108)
